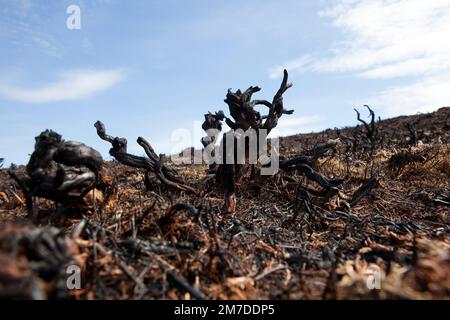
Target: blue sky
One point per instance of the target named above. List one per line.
(147, 68)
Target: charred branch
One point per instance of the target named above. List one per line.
(312, 175)
(318, 152)
(412, 133)
(371, 134)
(244, 115)
(364, 190)
(152, 164)
(276, 108)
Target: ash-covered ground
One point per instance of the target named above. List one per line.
(141, 241)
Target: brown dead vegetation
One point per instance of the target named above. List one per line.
(159, 231)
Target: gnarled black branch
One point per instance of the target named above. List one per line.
(371, 134)
(245, 116)
(153, 163)
(276, 108)
(306, 164)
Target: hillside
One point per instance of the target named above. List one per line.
(286, 240)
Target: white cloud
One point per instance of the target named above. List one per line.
(424, 95)
(289, 125)
(390, 35)
(292, 66)
(73, 85)
(386, 39)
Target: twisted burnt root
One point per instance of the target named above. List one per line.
(152, 164)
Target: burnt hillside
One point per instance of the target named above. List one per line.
(138, 239)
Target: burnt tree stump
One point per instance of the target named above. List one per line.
(58, 170)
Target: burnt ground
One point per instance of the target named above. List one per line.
(138, 242)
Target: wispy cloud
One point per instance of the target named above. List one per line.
(387, 39)
(291, 65)
(289, 125)
(23, 24)
(423, 95)
(73, 85)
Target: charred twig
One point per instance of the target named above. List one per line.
(302, 202)
(412, 133)
(130, 275)
(371, 134)
(311, 174)
(370, 128)
(271, 270)
(139, 220)
(330, 291)
(276, 108)
(319, 151)
(178, 279)
(364, 190)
